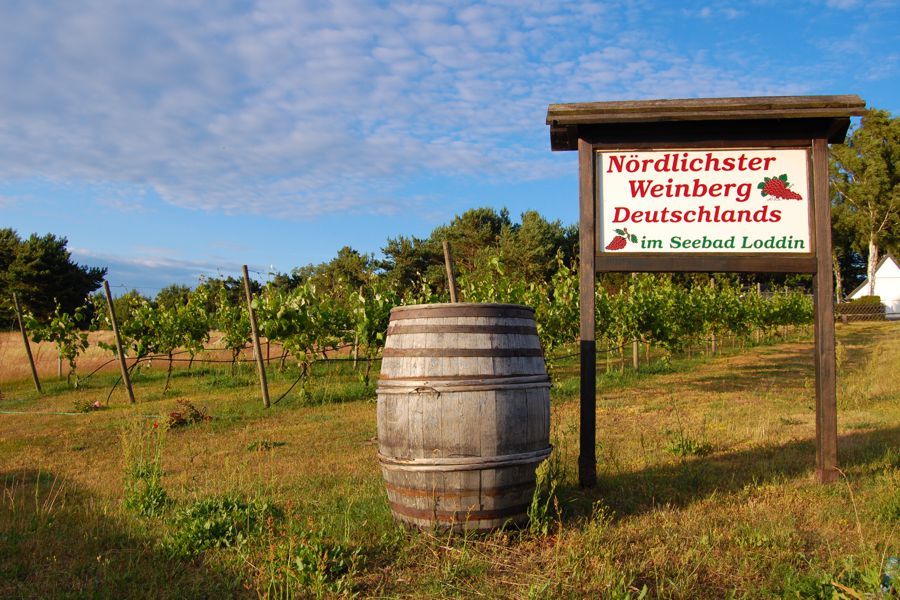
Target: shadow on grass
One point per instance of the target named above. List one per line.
(865, 334)
(788, 365)
(695, 479)
(56, 541)
(795, 364)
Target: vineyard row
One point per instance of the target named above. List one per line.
(648, 309)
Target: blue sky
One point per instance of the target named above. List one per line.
(170, 139)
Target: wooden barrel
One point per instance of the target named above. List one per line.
(463, 414)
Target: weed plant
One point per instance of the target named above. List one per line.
(544, 508)
(302, 564)
(142, 444)
(682, 445)
(218, 522)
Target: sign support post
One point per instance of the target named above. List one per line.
(712, 185)
(587, 281)
(823, 293)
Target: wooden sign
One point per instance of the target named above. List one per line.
(708, 185)
(703, 201)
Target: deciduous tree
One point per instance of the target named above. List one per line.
(865, 174)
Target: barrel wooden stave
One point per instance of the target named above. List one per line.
(471, 500)
(415, 425)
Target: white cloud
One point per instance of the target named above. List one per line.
(156, 268)
(302, 109)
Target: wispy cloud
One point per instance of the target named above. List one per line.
(154, 268)
(714, 11)
(10, 201)
(299, 110)
(128, 206)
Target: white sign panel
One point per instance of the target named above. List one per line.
(704, 201)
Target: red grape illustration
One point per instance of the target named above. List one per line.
(621, 240)
(778, 187)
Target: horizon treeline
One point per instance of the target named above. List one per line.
(483, 241)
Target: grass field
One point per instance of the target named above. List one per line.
(705, 490)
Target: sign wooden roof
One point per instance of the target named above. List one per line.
(565, 120)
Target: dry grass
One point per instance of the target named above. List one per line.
(14, 362)
(743, 518)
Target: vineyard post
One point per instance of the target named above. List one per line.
(356, 340)
(451, 279)
(756, 332)
(126, 378)
(58, 364)
(260, 365)
(34, 375)
(635, 354)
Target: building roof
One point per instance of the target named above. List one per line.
(884, 259)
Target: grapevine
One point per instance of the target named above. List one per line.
(63, 330)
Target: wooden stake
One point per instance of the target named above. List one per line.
(126, 378)
(635, 358)
(34, 375)
(260, 365)
(356, 339)
(451, 280)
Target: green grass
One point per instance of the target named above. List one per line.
(705, 488)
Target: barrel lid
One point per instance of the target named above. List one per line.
(464, 308)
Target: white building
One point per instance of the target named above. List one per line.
(887, 286)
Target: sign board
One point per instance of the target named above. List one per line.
(695, 201)
(712, 185)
